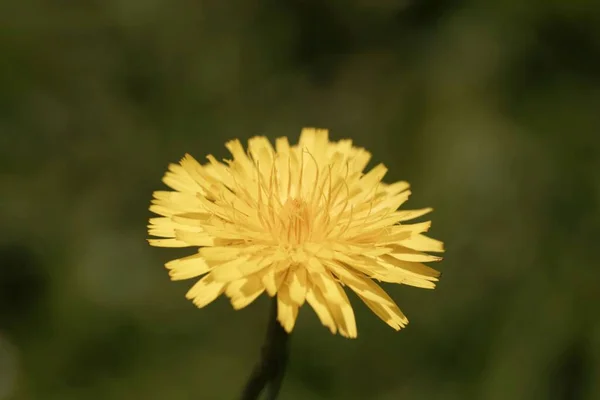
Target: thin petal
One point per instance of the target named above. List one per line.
(344, 318)
(396, 187)
(412, 214)
(239, 155)
(373, 296)
(360, 159)
(315, 299)
(274, 276)
(194, 238)
(423, 243)
(405, 254)
(205, 291)
(412, 267)
(332, 291)
(297, 284)
(240, 268)
(386, 269)
(187, 267)
(194, 219)
(178, 179)
(372, 178)
(177, 201)
(287, 310)
(162, 227)
(262, 154)
(390, 314)
(244, 291)
(168, 243)
(360, 284)
(338, 302)
(392, 202)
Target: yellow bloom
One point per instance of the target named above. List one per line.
(299, 222)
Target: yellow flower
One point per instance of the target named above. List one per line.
(299, 222)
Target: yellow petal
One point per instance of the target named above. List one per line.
(360, 284)
(194, 170)
(407, 215)
(396, 187)
(308, 138)
(178, 179)
(195, 219)
(168, 243)
(244, 291)
(390, 314)
(239, 268)
(221, 171)
(177, 201)
(194, 238)
(373, 177)
(360, 159)
(423, 243)
(409, 255)
(391, 202)
(239, 155)
(412, 267)
(297, 284)
(161, 210)
(287, 310)
(273, 277)
(332, 291)
(205, 291)
(315, 299)
(419, 227)
(218, 254)
(262, 154)
(374, 297)
(187, 267)
(314, 141)
(344, 318)
(163, 227)
(403, 277)
(391, 219)
(338, 302)
(385, 268)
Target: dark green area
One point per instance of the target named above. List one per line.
(490, 109)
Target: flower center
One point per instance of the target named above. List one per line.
(294, 223)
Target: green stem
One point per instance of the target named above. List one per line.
(274, 356)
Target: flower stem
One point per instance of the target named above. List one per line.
(271, 368)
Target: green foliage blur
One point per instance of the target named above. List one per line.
(490, 109)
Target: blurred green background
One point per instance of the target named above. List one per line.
(490, 109)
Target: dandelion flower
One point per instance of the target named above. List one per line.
(298, 222)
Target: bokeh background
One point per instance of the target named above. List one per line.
(490, 109)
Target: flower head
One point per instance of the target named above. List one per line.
(299, 222)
